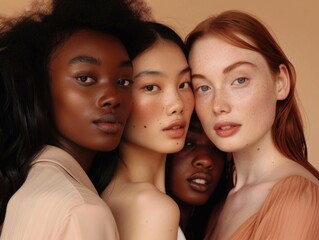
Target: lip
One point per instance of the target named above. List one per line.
(109, 123)
(176, 129)
(226, 129)
(200, 181)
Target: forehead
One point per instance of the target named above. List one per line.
(88, 42)
(164, 55)
(220, 53)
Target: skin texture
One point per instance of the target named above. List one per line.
(161, 96)
(91, 77)
(236, 96)
(239, 88)
(162, 105)
(195, 171)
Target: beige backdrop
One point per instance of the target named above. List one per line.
(294, 22)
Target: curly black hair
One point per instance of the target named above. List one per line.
(26, 46)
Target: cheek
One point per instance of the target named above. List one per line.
(179, 167)
(188, 101)
(204, 112)
(70, 109)
(145, 112)
(261, 106)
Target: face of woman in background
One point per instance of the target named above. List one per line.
(236, 93)
(196, 170)
(91, 76)
(162, 99)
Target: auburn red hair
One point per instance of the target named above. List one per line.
(246, 31)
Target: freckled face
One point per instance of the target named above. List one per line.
(196, 170)
(235, 94)
(91, 89)
(162, 99)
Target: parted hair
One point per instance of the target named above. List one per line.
(246, 31)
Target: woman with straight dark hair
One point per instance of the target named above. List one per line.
(244, 87)
(162, 106)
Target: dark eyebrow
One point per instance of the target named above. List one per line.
(148, 72)
(185, 70)
(158, 73)
(126, 63)
(95, 61)
(237, 64)
(85, 59)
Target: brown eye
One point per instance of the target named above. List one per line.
(151, 88)
(85, 79)
(125, 82)
(185, 85)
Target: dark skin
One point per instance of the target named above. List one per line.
(195, 171)
(91, 76)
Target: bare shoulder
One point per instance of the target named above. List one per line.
(146, 196)
(143, 212)
(295, 169)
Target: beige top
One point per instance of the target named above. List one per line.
(290, 211)
(57, 201)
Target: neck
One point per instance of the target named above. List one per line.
(142, 165)
(82, 155)
(256, 163)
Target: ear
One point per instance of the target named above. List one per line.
(282, 82)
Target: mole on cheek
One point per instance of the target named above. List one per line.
(145, 126)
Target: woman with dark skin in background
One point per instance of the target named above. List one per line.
(196, 180)
(65, 96)
(244, 89)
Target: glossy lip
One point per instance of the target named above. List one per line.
(109, 123)
(200, 181)
(226, 129)
(176, 129)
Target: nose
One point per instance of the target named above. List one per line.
(175, 104)
(220, 102)
(108, 98)
(203, 159)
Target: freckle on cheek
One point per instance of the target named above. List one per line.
(258, 149)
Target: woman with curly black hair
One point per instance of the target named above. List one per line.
(65, 93)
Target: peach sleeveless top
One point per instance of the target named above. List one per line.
(290, 212)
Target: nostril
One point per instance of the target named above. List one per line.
(204, 163)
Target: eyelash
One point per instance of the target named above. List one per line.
(240, 79)
(151, 88)
(85, 78)
(128, 81)
(185, 85)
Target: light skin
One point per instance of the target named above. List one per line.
(162, 105)
(195, 171)
(236, 96)
(91, 77)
